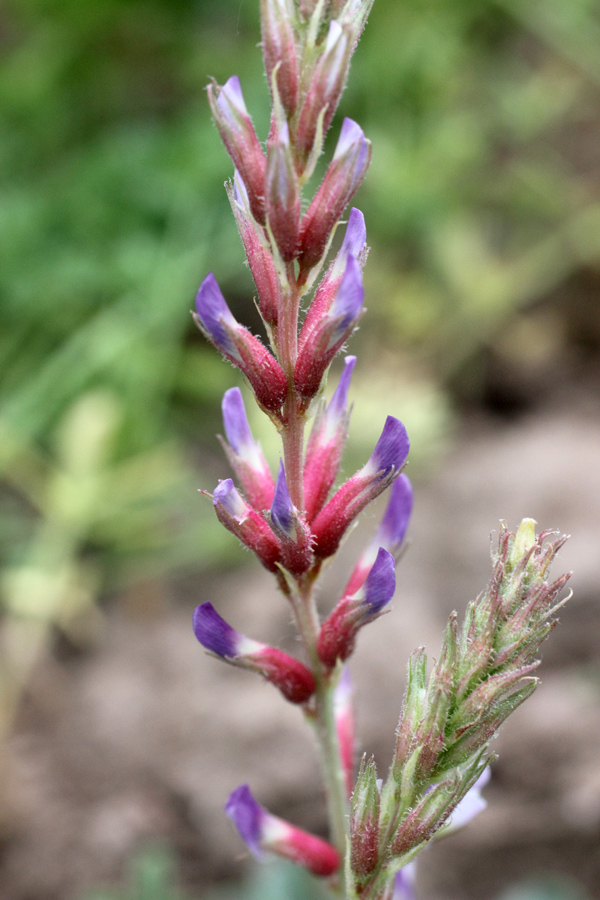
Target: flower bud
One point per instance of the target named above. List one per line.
(258, 254)
(325, 445)
(351, 498)
(342, 180)
(390, 533)
(216, 321)
(324, 92)
(354, 244)
(279, 50)
(338, 632)
(294, 680)
(317, 350)
(237, 133)
(364, 823)
(245, 454)
(263, 831)
(282, 194)
(247, 524)
(293, 531)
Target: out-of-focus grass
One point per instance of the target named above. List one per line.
(482, 198)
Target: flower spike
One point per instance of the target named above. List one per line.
(294, 680)
(263, 831)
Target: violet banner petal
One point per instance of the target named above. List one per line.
(214, 633)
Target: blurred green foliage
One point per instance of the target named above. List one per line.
(481, 199)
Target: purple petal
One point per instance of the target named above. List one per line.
(232, 92)
(240, 192)
(248, 816)
(214, 633)
(226, 494)
(397, 515)
(236, 425)
(214, 313)
(380, 583)
(356, 234)
(282, 508)
(471, 804)
(392, 447)
(348, 300)
(351, 133)
(339, 402)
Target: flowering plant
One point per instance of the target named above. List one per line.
(296, 521)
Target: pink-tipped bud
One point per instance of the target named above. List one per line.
(237, 133)
(328, 336)
(351, 498)
(247, 524)
(342, 180)
(325, 445)
(343, 712)
(279, 50)
(326, 87)
(215, 320)
(338, 632)
(294, 680)
(282, 194)
(390, 533)
(244, 453)
(260, 259)
(263, 831)
(291, 528)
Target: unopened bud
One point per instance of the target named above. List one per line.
(282, 195)
(237, 133)
(295, 534)
(279, 50)
(364, 823)
(342, 180)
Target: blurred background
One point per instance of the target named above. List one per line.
(120, 739)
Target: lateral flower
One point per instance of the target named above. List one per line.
(217, 323)
(237, 133)
(258, 255)
(245, 454)
(247, 524)
(390, 534)
(317, 349)
(282, 194)
(384, 464)
(263, 831)
(324, 92)
(342, 180)
(291, 527)
(326, 443)
(338, 632)
(294, 680)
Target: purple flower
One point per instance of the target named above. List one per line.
(338, 406)
(347, 304)
(391, 449)
(227, 496)
(248, 816)
(380, 584)
(395, 521)
(282, 508)
(236, 424)
(216, 635)
(353, 146)
(215, 317)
